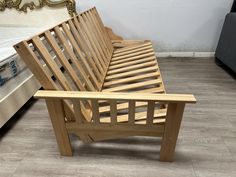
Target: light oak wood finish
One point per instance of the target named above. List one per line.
(206, 143)
(102, 88)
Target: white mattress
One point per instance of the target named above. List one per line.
(12, 35)
(10, 63)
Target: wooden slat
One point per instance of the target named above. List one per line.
(114, 58)
(97, 35)
(95, 111)
(89, 60)
(72, 56)
(37, 69)
(131, 79)
(92, 41)
(125, 49)
(131, 116)
(120, 106)
(103, 37)
(95, 38)
(131, 73)
(111, 67)
(90, 47)
(156, 130)
(102, 27)
(150, 112)
(51, 63)
(160, 113)
(129, 68)
(113, 111)
(77, 110)
(132, 58)
(152, 90)
(133, 51)
(51, 40)
(77, 49)
(132, 86)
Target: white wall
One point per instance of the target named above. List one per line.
(173, 25)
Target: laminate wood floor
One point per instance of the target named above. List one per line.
(206, 145)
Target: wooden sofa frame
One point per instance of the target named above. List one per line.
(101, 89)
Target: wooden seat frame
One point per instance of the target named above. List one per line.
(99, 88)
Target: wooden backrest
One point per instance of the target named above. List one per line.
(72, 56)
(80, 46)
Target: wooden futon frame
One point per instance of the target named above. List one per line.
(101, 89)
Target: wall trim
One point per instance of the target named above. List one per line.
(185, 54)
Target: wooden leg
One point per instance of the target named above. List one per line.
(172, 126)
(57, 114)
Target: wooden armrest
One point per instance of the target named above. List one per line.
(164, 98)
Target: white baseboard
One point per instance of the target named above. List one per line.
(185, 54)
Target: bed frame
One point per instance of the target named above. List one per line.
(105, 89)
(16, 98)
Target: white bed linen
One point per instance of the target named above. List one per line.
(12, 35)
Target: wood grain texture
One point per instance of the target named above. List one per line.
(74, 52)
(206, 144)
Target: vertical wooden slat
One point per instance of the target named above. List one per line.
(102, 37)
(113, 111)
(96, 36)
(82, 44)
(100, 29)
(51, 40)
(94, 10)
(71, 54)
(91, 50)
(75, 45)
(74, 58)
(91, 32)
(95, 111)
(131, 112)
(78, 112)
(35, 66)
(172, 126)
(150, 112)
(51, 63)
(92, 42)
(57, 115)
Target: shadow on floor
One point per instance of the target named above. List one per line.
(17, 116)
(225, 68)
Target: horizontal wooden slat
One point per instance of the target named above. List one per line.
(132, 63)
(132, 58)
(133, 86)
(125, 49)
(131, 79)
(132, 51)
(73, 127)
(159, 89)
(132, 73)
(134, 67)
(131, 55)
